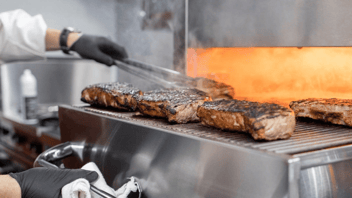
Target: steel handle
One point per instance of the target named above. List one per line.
(165, 77)
(64, 150)
(58, 152)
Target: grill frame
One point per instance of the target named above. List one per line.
(128, 137)
(185, 162)
(308, 136)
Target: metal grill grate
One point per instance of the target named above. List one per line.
(308, 136)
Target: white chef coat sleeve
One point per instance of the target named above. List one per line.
(22, 36)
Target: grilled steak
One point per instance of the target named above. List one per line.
(122, 96)
(215, 90)
(262, 120)
(336, 111)
(177, 105)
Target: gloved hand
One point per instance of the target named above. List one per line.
(47, 183)
(99, 49)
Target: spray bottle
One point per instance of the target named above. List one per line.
(28, 97)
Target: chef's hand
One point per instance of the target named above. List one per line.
(47, 183)
(99, 49)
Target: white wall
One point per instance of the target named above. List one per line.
(90, 16)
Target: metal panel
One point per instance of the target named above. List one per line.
(185, 155)
(171, 164)
(248, 23)
(332, 180)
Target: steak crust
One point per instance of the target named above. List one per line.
(332, 110)
(216, 90)
(263, 121)
(178, 105)
(122, 96)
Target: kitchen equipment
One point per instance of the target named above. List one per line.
(191, 160)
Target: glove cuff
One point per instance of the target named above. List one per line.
(63, 39)
(17, 177)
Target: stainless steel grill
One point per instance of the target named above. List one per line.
(308, 136)
(192, 160)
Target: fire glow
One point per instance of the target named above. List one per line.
(277, 73)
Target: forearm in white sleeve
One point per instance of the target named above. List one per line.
(22, 37)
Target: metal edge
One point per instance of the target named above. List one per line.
(36, 61)
(180, 37)
(294, 169)
(326, 156)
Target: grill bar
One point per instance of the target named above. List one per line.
(308, 136)
(294, 141)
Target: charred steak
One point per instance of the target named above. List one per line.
(336, 111)
(263, 121)
(177, 105)
(214, 89)
(122, 96)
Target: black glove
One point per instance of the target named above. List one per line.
(47, 182)
(99, 49)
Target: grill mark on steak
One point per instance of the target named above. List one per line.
(178, 105)
(262, 120)
(122, 96)
(252, 109)
(332, 110)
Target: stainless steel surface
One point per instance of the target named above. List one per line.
(189, 160)
(317, 157)
(326, 172)
(331, 180)
(56, 153)
(180, 32)
(294, 167)
(224, 23)
(237, 23)
(171, 163)
(59, 81)
(325, 157)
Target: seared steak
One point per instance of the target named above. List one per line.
(214, 89)
(177, 105)
(122, 96)
(262, 120)
(336, 111)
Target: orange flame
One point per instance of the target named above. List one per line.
(280, 73)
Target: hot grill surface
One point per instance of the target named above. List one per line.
(308, 135)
